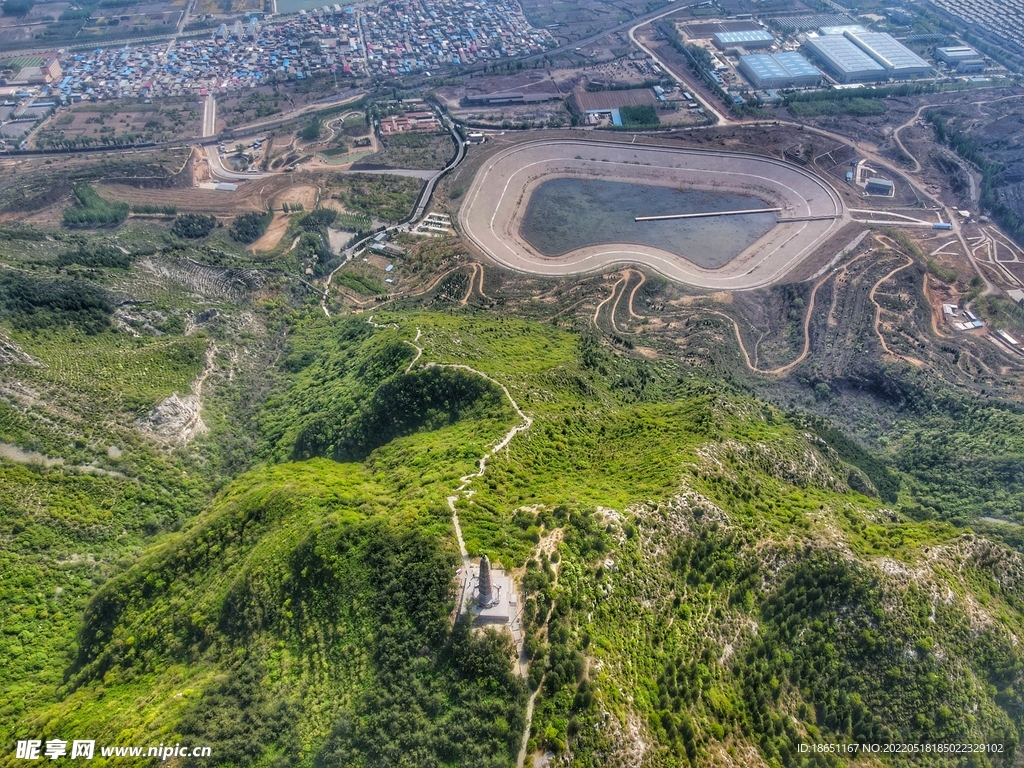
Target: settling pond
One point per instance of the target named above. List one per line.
(569, 213)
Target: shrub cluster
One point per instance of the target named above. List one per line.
(249, 227)
(193, 225)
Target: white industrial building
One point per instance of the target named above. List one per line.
(899, 61)
(954, 54)
(757, 38)
(961, 58)
(846, 62)
(780, 70)
(855, 57)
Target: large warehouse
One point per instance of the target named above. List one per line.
(757, 38)
(854, 58)
(781, 70)
(845, 61)
(898, 60)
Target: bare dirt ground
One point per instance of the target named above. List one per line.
(528, 81)
(305, 195)
(172, 118)
(334, 204)
(273, 235)
(186, 200)
(252, 195)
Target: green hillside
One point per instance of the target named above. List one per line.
(703, 585)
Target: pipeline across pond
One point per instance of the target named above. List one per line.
(705, 215)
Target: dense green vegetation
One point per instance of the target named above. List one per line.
(886, 482)
(361, 283)
(279, 567)
(700, 572)
(639, 116)
(335, 151)
(35, 304)
(312, 251)
(16, 231)
(901, 90)
(193, 225)
(155, 210)
(428, 399)
(380, 196)
(96, 255)
(87, 490)
(859, 107)
(249, 227)
(318, 220)
(354, 222)
(92, 210)
(963, 461)
(970, 149)
(18, 7)
(311, 130)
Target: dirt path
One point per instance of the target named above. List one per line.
(521, 759)
(469, 288)
(615, 288)
(878, 314)
(870, 152)
(899, 142)
(627, 276)
(465, 480)
(782, 369)
(373, 299)
(327, 290)
(482, 294)
(684, 85)
(417, 347)
(632, 294)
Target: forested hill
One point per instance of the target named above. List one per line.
(707, 581)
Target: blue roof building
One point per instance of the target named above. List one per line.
(781, 70)
(757, 38)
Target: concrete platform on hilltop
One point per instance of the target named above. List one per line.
(504, 603)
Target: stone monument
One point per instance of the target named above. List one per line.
(484, 595)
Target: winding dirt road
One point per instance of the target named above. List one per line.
(782, 369)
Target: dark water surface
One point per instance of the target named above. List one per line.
(565, 214)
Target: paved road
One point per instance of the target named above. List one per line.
(428, 190)
(497, 199)
(624, 26)
(219, 171)
(722, 119)
(264, 126)
(209, 116)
